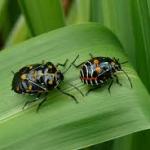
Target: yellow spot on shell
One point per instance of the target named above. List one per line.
(30, 87)
(50, 82)
(30, 67)
(49, 66)
(17, 88)
(112, 63)
(40, 73)
(35, 74)
(23, 76)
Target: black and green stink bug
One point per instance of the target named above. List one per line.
(37, 79)
(100, 70)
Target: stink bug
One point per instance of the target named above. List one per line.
(100, 70)
(37, 79)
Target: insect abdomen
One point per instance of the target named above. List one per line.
(88, 75)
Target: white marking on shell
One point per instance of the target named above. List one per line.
(86, 74)
(39, 74)
(96, 82)
(101, 81)
(91, 68)
(86, 68)
(24, 85)
(82, 74)
(91, 82)
(89, 63)
(38, 85)
(86, 82)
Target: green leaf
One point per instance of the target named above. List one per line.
(136, 141)
(9, 12)
(19, 33)
(79, 12)
(116, 15)
(61, 123)
(141, 23)
(130, 21)
(42, 16)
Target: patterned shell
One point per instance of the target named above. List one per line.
(96, 71)
(36, 78)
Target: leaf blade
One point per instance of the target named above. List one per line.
(42, 17)
(62, 123)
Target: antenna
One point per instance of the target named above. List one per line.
(127, 77)
(12, 72)
(124, 62)
(91, 55)
(76, 88)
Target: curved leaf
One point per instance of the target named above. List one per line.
(61, 122)
(42, 17)
(130, 21)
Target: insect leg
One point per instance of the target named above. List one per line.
(127, 77)
(124, 62)
(117, 80)
(92, 89)
(79, 65)
(40, 104)
(28, 102)
(73, 97)
(91, 55)
(76, 89)
(13, 72)
(38, 96)
(43, 62)
(72, 63)
(111, 82)
(63, 65)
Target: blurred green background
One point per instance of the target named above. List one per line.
(129, 20)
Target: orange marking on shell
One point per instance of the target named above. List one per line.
(96, 61)
(98, 69)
